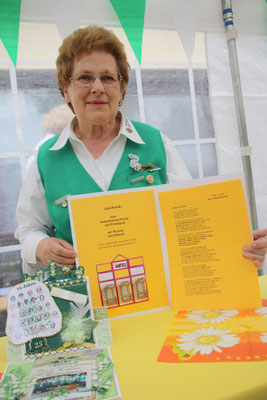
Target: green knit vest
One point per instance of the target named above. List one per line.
(62, 174)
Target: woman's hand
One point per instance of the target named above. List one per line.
(257, 249)
(58, 250)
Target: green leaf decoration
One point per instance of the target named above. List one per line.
(57, 394)
(54, 273)
(76, 329)
(182, 354)
(105, 376)
(9, 26)
(13, 384)
(131, 14)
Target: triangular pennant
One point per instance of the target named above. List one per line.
(131, 14)
(9, 26)
(67, 15)
(185, 17)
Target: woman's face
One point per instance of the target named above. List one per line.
(97, 104)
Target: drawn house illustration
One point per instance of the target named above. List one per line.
(122, 281)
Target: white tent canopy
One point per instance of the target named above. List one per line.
(250, 15)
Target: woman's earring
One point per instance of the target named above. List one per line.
(120, 103)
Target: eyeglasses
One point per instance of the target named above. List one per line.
(86, 80)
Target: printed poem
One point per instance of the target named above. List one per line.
(198, 256)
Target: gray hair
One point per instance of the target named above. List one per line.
(55, 121)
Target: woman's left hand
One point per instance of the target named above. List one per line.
(257, 249)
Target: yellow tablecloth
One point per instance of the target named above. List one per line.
(137, 343)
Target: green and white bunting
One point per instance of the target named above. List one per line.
(9, 26)
(131, 14)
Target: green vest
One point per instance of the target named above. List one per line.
(62, 173)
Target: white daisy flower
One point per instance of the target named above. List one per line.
(263, 338)
(211, 316)
(262, 311)
(207, 340)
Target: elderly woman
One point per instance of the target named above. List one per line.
(99, 150)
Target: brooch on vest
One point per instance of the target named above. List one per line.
(136, 166)
(63, 201)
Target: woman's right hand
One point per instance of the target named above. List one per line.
(57, 250)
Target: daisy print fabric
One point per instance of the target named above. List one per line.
(217, 336)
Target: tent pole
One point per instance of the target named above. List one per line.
(239, 105)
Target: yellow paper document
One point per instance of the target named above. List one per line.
(118, 242)
(181, 242)
(205, 228)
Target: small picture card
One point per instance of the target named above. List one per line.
(68, 295)
(31, 313)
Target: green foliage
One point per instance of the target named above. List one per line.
(13, 384)
(105, 371)
(77, 330)
(182, 354)
(57, 394)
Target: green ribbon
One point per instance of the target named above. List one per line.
(131, 14)
(9, 26)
